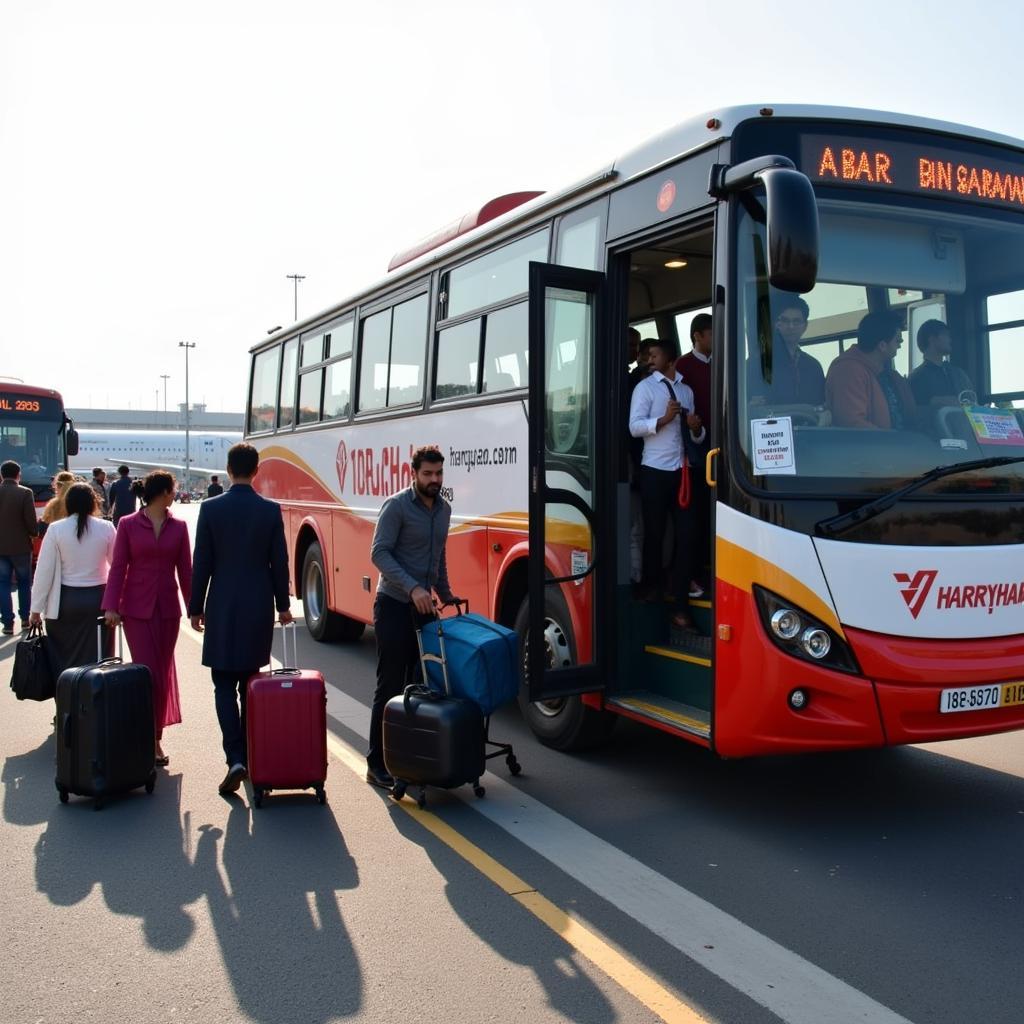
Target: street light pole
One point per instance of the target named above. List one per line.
(296, 278)
(186, 345)
(164, 377)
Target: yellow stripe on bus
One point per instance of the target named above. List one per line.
(742, 569)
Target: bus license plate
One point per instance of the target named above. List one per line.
(980, 698)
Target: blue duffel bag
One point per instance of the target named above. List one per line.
(482, 659)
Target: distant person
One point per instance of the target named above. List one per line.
(55, 509)
(242, 560)
(786, 375)
(215, 488)
(99, 487)
(17, 528)
(152, 546)
(70, 580)
(409, 549)
(863, 390)
(937, 382)
(662, 414)
(121, 493)
(695, 368)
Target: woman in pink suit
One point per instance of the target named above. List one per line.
(152, 545)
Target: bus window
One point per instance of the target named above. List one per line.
(263, 398)
(336, 393)
(458, 355)
(495, 276)
(408, 336)
(579, 243)
(1005, 319)
(505, 349)
(568, 375)
(339, 340)
(312, 349)
(310, 384)
(373, 372)
(286, 405)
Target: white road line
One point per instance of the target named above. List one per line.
(783, 982)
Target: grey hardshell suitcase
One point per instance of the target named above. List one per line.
(104, 729)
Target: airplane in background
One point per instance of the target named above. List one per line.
(145, 450)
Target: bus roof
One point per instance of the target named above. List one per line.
(689, 136)
(12, 386)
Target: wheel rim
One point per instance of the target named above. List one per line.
(556, 652)
(313, 591)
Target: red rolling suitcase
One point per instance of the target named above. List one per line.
(286, 727)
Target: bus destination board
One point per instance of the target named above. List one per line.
(18, 405)
(915, 167)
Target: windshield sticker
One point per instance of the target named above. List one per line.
(995, 426)
(773, 446)
(579, 562)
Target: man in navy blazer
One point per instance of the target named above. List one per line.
(242, 559)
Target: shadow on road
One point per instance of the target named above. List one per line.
(29, 791)
(513, 933)
(276, 914)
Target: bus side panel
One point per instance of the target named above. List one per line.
(352, 535)
(467, 553)
(753, 679)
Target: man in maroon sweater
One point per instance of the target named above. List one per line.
(695, 367)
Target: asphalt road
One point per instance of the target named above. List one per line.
(873, 887)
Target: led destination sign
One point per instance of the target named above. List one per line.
(914, 167)
(18, 405)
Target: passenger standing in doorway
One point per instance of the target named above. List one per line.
(242, 560)
(17, 528)
(122, 497)
(640, 353)
(409, 546)
(695, 368)
(662, 413)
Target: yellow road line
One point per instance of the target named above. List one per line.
(626, 974)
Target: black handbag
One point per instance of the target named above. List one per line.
(32, 678)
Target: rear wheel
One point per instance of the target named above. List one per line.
(322, 623)
(564, 723)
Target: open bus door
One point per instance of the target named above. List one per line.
(571, 564)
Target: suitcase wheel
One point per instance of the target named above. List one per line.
(478, 790)
(398, 789)
(321, 795)
(151, 781)
(421, 800)
(257, 797)
(63, 794)
(514, 767)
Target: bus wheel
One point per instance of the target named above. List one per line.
(322, 623)
(564, 723)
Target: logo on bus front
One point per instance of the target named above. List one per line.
(987, 596)
(341, 462)
(666, 196)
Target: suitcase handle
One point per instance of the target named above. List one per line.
(119, 657)
(286, 668)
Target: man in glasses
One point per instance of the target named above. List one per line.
(786, 375)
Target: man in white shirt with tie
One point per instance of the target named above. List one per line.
(660, 404)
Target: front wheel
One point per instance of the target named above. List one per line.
(563, 723)
(322, 623)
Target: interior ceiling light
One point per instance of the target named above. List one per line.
(675, 264)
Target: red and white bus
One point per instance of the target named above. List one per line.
(867, 585)
(36, 433)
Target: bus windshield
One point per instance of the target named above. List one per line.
(35, 442)
(834, 401)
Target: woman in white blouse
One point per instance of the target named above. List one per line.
(70, 578)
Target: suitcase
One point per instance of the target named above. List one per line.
(104, 728)
(286, 727)
(482, 659)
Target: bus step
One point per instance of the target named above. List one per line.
(685, 645)
(647, 704)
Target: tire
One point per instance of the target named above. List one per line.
(565, 723)
(323, 624)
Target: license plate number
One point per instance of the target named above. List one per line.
(981, 698)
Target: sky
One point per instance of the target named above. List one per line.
(163, 168)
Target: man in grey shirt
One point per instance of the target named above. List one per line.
(409, 549)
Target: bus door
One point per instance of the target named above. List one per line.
(571, 565)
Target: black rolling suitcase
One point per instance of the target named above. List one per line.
(104, 729)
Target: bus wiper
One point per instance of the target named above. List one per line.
(835, 525)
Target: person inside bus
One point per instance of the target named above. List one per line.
(660, 404)
(862, 388)
(695, 368)
(937, 382)
(786, 375)
(635, 448)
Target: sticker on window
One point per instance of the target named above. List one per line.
(579, 562)
(772, 446)
(995, 426)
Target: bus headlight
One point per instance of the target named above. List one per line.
(801, 635)
(816, 642)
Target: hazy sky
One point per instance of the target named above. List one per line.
(164, 167)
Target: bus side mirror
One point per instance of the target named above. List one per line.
(71, 442)
(792, 216)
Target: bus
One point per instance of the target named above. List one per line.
(866, 580)
(36, 433)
